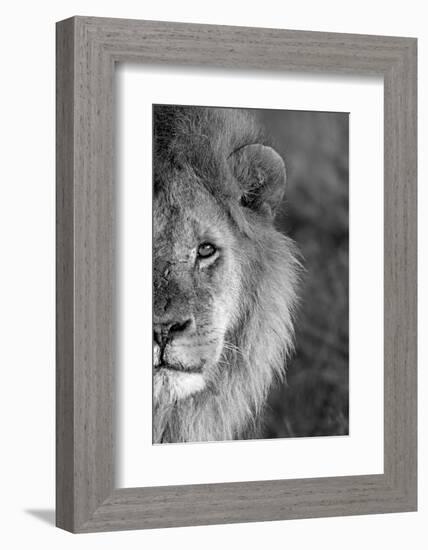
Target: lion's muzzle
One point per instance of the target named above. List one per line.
(168, 335)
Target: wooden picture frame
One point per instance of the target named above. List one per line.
(87, 50)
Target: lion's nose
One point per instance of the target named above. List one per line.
(167, 331)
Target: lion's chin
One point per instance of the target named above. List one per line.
(173, 385)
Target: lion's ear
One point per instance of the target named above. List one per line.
(260, 172)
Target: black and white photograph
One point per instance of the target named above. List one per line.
(250, 273)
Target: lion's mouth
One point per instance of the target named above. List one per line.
(167, 366)
(178, 368)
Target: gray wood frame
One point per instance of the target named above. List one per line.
(87, 50)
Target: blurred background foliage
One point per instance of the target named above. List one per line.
(314, 401)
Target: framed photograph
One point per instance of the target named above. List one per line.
(236, 274)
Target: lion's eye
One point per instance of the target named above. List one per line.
(206, 250)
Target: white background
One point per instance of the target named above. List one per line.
(27, 274)
(138, 88)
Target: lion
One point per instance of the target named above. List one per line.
(224, 279)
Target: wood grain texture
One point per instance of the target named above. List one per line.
(64, 277)
(87, 50)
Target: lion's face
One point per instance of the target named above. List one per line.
(223, 277)
(196, 288)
